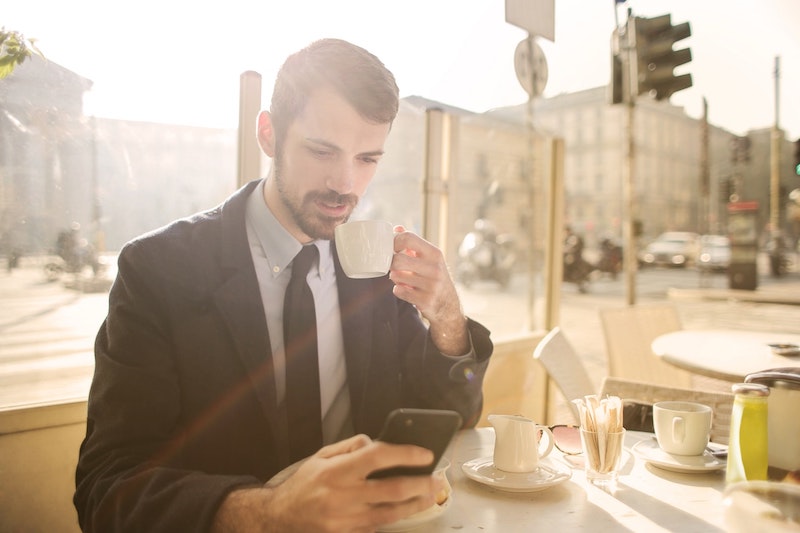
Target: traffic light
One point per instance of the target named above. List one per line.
(655, 58)
(797, 157)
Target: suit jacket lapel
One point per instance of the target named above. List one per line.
(239, 302)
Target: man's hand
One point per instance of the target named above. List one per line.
(330, 491)
(421, 278)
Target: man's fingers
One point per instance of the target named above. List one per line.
(388, 513)
(344, 446)
(382, 455)
(412, 244)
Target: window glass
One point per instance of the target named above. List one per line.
(465, 181)
(73, 189)
(107, 138)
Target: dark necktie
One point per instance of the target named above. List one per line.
(302, 367)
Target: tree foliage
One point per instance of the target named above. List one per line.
(14, 50)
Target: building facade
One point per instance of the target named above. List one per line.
(121, 178)
(114, 178)
(679, 181)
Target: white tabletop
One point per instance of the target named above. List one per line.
(724, 354)
(647, 499)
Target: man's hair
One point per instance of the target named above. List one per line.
(355, 74)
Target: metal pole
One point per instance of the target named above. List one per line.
(530, 129)
(705, 178)
(775, 158)
(98, 238)
(440, 145)
(554, 263)
(248, 164)
(630, 88)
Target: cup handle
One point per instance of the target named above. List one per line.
(678, 429)
(550, 441)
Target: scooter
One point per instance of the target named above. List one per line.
(610, 258)
(485, 256)
(577, 270)
(778, 258)
(73, 261)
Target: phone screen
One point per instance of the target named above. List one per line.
(429, 428)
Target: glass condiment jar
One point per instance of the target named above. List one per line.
(747, 446)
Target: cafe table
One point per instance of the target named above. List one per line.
(647, 498)
(724, 354)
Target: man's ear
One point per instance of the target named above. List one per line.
(265, 133)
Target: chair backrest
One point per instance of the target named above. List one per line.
(514, 383)
(564, 367)
(721, 403)
(629, 332)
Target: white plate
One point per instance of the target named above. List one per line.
(547, 475)
(650, 451)
(417, 519)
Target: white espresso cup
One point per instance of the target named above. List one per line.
(682, 428)
(365, 247)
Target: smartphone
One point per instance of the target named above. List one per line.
(429, 428)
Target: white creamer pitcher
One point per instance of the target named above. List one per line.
(517, 447)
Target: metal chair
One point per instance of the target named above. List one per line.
(564, 367)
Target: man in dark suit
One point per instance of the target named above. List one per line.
(188, 425)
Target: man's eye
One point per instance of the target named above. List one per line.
(370, 160)
(320, 153)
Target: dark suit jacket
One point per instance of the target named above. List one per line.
(182, 405)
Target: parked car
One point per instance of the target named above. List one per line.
(714, 254)
(673, 249)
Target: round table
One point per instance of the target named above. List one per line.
(647, 499)
(729, 355)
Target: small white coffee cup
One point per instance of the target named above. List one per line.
(365, 247)
(682, 428)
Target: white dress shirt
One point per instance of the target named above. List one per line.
(273, 249)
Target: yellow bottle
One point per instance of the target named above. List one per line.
(747, 446)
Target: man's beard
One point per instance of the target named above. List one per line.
(302, 210)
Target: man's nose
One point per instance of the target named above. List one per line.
(342, 178)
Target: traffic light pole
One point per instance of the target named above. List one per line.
(775, 158)
(647, 59)
(705, 221)
(629, 92)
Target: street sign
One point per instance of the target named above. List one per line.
(531, 67)
(537, 17)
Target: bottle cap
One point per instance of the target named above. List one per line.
(750, 389)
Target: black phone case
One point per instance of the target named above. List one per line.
(429, 428)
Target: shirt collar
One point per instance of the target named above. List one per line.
(277, 244)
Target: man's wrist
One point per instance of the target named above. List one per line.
(243, 510)
(451, 337)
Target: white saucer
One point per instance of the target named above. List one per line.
(650, 451)
(547, 475)
(417, 519)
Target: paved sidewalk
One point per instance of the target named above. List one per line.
(43, 323)
(782, 291)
